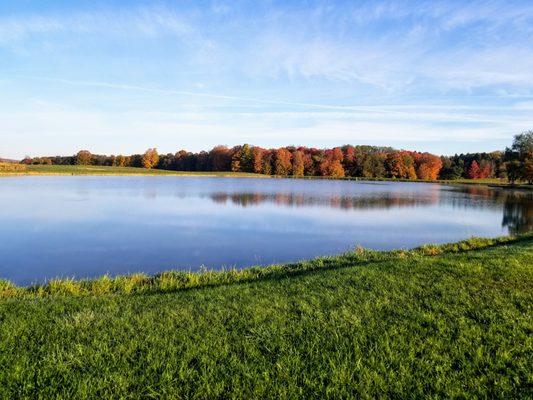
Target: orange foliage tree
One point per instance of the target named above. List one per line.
(331, 164)
(298, 166)
(400, 164)
(428, 166)
(282, 163)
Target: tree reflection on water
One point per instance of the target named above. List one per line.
(384, 200)
(517, 205)
(518, 214)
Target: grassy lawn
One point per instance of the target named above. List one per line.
(438, 322)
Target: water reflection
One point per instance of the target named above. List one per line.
(383, 200)
(518, 213)
(517, 205)
(89, 226)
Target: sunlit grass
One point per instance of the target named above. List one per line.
(169, 281)
(102, 170)
(6, 168)
(452, 321)
(18, 169)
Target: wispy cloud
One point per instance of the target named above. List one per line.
(389, 44)
(149, 22)
(271, 73)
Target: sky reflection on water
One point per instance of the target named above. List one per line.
(88, 226)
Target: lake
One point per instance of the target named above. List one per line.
(88, 226)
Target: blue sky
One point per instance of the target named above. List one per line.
(121, 76)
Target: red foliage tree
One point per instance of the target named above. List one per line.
(485, 170)
(474, 170)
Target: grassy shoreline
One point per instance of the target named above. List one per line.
(450, 321)
(59, 170)
(175, 280)
(76, 170)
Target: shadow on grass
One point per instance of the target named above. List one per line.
(172, 281)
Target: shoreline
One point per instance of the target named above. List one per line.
(361, 325)
(176, 280)
(491, 183)
(70, 170)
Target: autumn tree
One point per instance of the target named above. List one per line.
(298, 166)
(350, 160)
(267, 161)
(150, 158)
(236, 159)
(121, 161)
(257, 156)
(400, 164)
(242, 159)
(331, 164)
(220, 158)
(394, 165)
(83, 157)
(485, 169)
(473, 170)
(428, 166)
(282, 162)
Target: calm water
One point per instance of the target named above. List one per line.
(88, 226)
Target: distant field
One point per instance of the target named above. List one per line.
(98, 170)
(441, 322)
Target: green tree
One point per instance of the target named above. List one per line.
(521, 158)
(373, 166)
(514, 170)
(523, 145)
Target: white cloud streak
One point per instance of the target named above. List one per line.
(444, 45)
(388, 50)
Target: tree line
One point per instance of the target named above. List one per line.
(514, 164)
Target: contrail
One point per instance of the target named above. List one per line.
(202, 94)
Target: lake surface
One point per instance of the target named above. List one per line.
(88, 226)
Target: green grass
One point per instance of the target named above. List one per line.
(452, 321)
(99, 170)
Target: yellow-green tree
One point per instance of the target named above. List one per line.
(298, 165)
(150, 158)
